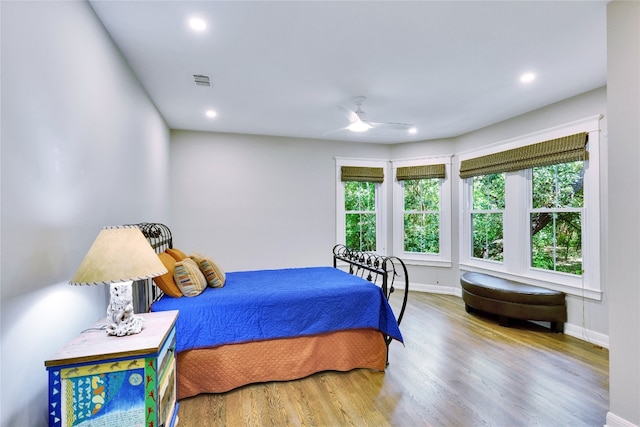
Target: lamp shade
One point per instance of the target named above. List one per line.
(119, 254)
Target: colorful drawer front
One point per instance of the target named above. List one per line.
(122, 393)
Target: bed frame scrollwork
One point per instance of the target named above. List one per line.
(382, 270)
(160, 239)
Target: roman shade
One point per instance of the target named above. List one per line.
(362, 174)
(554, 151)
(420, 172)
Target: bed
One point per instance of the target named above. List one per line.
(285, 324)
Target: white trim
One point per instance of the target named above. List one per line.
(516, 265)
(421, 161)
(444, 257)
(360, 161)
(614, 420)
(381, 201)
(579, 332)
(435, 289)
(427, 263)
(588, 124)
(588, 335)
(570, 329)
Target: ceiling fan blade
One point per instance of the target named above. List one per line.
(390, 125)
(358, 121)
(351, 115)
(335, 131)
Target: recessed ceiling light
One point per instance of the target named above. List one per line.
(527, 77)
(197, 24)
(211, 114)
(413, 131)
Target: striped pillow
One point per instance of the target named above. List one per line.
(189, 278)
(214, 275)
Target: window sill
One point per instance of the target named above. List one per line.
(408, 260)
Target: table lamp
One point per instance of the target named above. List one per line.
(119, 256)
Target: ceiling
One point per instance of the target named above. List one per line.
(283, 68)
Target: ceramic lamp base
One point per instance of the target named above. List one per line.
(121, 320)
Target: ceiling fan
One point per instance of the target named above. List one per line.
(358, 121)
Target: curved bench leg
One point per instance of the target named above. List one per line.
(469, 309)
(557, 327)
(504, 320)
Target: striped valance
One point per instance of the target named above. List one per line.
(420, 172)
(561, 150)
(362, 174)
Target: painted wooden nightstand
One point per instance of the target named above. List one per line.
(116, 381)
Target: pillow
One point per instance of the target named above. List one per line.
(177, 254)
(189, 278)
(166, 282)
(214, 275)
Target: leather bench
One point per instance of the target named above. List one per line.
(513, 300)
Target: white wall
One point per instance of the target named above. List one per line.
(82, 148)
(623, 263)
(254, 202)
(586, 318)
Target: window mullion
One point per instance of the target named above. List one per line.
(515, 222)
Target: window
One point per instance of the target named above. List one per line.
(360, 197)
(421, 213)
(530, 209)
(555, 219)
(360, 215)
(487, 216)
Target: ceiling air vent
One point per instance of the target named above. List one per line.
(202, 80)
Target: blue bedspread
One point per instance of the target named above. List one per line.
(267, 304)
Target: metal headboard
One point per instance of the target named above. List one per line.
(382, 270)
(145, 292)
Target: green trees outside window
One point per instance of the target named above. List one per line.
(487, 216)
(360, 211)
(422, 215)
(556, 217)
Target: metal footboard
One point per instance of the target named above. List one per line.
(382, 270)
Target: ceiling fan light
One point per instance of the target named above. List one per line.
(359, 126)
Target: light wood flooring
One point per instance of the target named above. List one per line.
(455, 369)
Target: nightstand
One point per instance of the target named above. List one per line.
(116, 381)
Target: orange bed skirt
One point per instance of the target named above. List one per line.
(223, 368)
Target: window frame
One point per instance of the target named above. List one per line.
(516, 264)
(554, 210)
(442, 259)
(380, 203)
(489, 211)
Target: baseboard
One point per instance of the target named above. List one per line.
(615, 421)
(435, 289)
(575, 331)
(588, 335)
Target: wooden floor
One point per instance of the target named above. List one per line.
(456, 369)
